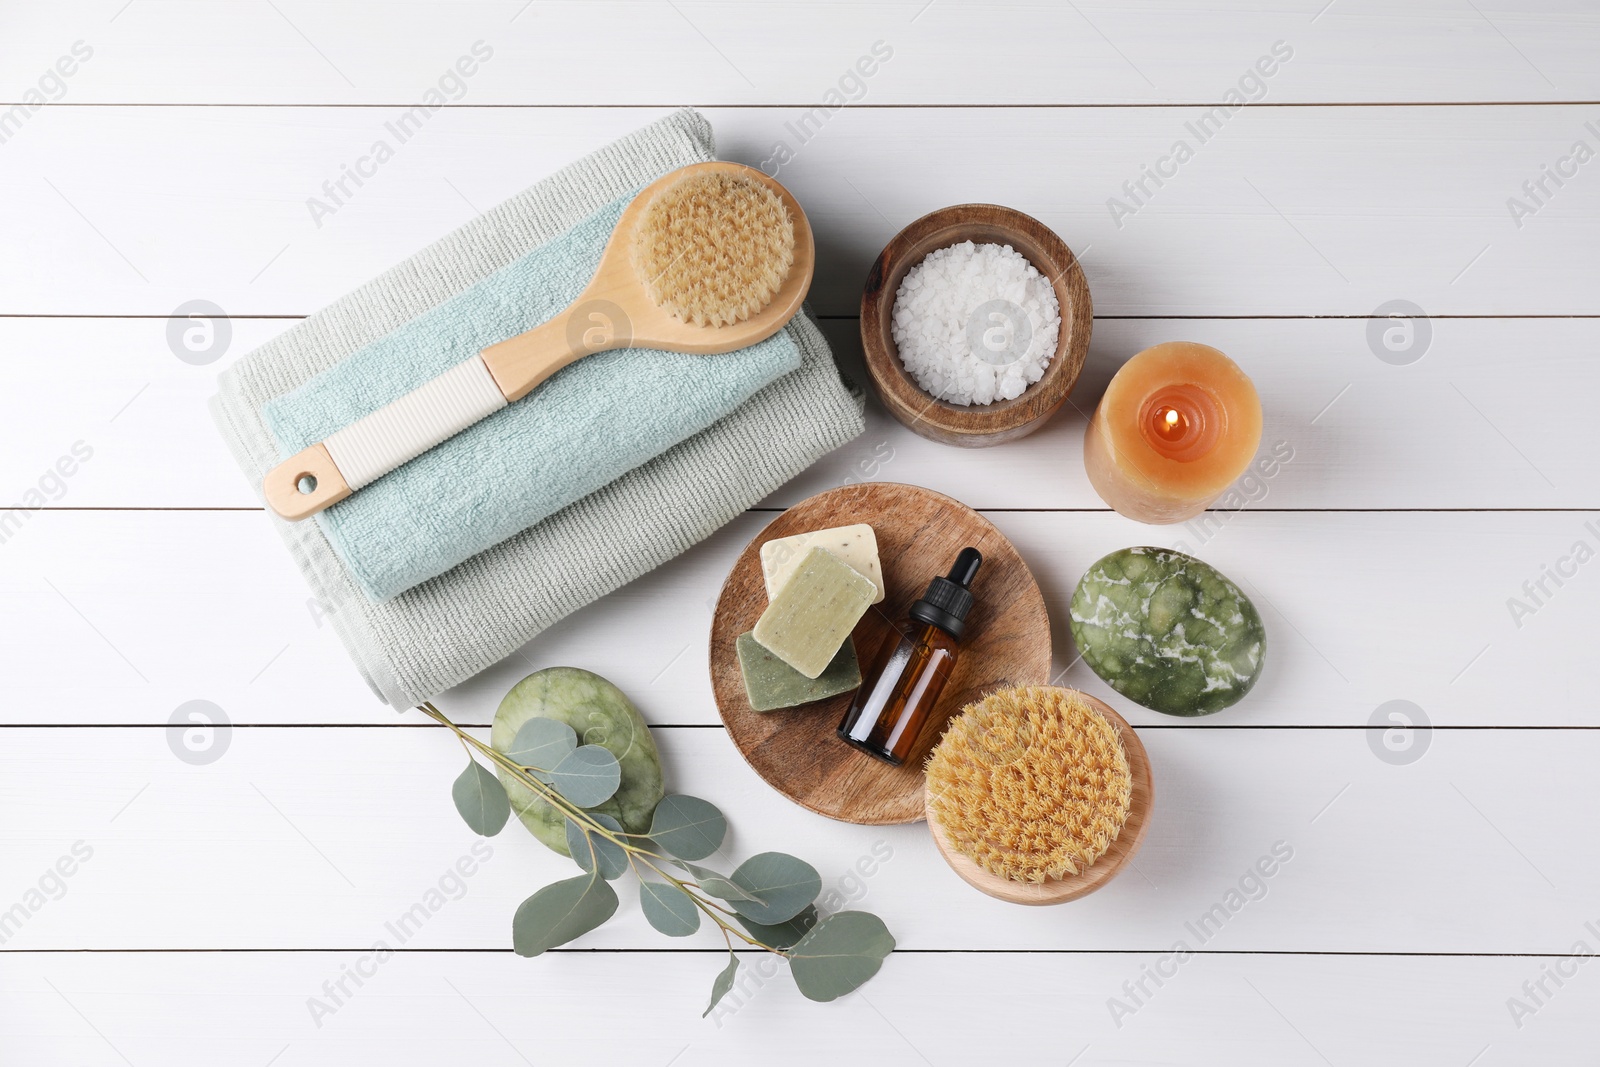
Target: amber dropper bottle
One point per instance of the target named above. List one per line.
(912, 667)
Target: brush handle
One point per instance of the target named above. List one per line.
(402, 430)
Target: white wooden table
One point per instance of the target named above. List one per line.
(1439, 878)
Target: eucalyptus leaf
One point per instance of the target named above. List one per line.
(541, 744)
(588, 775)
(688, 827)
(668, 909)
(777, 887)
(724, 982)
(481, 799)
(613, 861)
(560, 912)
(716, 884)
(781, 935)
(839, 954)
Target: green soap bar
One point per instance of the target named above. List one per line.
(1168, 631)
(772, 684)
(814, 612)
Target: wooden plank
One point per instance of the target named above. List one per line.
(132, 613)
(318, 837)
(183, 1009)
(1474, 422)
(1280, 211)
(715, 51)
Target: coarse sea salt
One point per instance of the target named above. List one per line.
(975, 323)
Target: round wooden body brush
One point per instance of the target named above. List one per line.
(707, 259)
(1038, 795)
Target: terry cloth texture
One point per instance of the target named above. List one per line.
(585, 427)
(440, 632)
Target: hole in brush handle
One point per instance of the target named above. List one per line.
(304, 484)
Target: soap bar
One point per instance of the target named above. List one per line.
(814, 612)
(771, 683)
(1168, 631)
(855, 546)
(600, 714)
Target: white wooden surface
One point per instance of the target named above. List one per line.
(1424, 890)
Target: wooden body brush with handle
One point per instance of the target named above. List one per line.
(707, 259)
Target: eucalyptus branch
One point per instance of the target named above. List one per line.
(709, 908)
(587, 821)
(771, 896)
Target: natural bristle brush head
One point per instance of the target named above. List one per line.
(1030, 783)
(714, 248)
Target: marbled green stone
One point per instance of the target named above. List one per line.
(772, 684)
(600, 715)
(1168, 631)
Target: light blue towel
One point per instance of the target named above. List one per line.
(591, 423)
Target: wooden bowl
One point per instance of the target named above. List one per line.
(976, 425)
(797, 750)
(1098, 873)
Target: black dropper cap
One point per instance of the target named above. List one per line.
(949, 599)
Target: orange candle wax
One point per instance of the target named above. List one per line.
(1177, 425)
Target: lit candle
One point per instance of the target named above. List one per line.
(1176, 426)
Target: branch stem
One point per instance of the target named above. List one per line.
(636, 853)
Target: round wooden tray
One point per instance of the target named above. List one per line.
(919, 533)
(1102, 870)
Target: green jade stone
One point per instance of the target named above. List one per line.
(600, 714)
(772, 684)
(1168, 631)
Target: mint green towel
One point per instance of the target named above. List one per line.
(585, 427)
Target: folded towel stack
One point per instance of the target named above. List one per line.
(596, 420)
(449, 564)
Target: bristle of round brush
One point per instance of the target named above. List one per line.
(1030, 783)
(714, 249)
